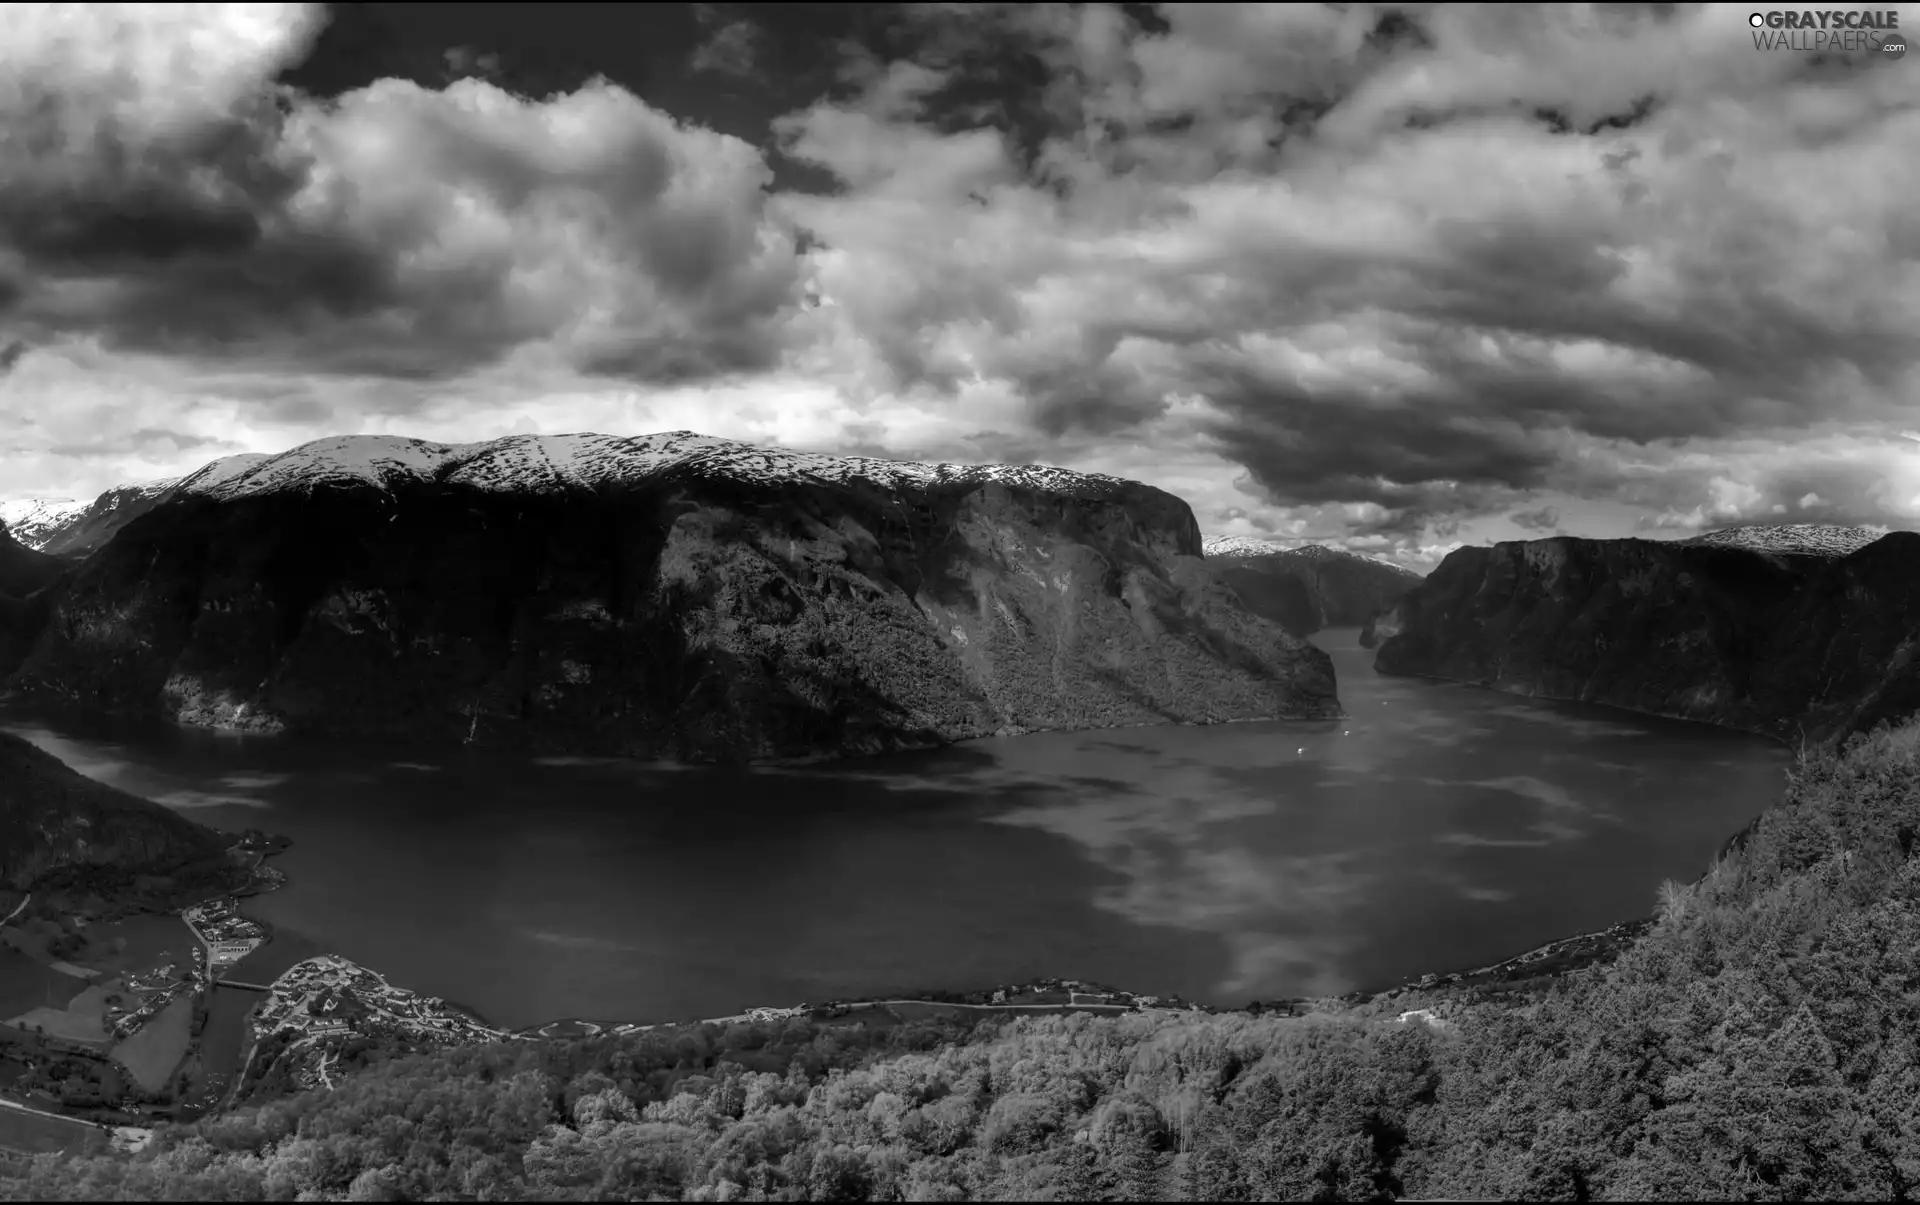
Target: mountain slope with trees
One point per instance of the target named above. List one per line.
(64, 834)
(1310, 587)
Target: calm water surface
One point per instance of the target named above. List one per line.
(1439, 826)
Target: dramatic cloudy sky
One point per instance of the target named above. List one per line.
(1396, 276)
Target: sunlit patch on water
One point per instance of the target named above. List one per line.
(253, 782)
(1436, 826)
(1475, 840)
(186, 800)
(577, 941)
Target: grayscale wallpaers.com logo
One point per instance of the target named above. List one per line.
(1830, 30)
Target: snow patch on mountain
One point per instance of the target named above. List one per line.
(1245, 546)
(1804, 539)
(219, 471)
(34, 521)
(555, 463)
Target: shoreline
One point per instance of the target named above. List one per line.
(1558, 956)
(1561, 955)
(1774, 738)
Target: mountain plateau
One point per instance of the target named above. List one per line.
(1778, 631)
(667, 595)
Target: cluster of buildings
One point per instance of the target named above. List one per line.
(1079, 993)
(149, 992)
(126, 1024)
(228, 936)
(329, 995)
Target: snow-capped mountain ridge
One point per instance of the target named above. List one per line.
(1805, 539)
(67, 526)
(34, 521)
(1221, 546)
(545, 463)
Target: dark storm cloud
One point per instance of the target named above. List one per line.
(1608, 238)
(95, 196)
(1352, 267)
(10, 355)
(1411, 458)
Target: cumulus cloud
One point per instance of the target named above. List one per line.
(731, 46)
(1421, 267)
(464, 61)
(1545, 518)
(1395, 276)
(179, 203)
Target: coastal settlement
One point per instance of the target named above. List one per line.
(124, 1050)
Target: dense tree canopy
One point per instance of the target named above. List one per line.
(1760, 1042)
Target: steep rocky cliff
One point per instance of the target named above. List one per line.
(661, 595)
(1307, 588)
(24, 578)
(58, 827)
(1763, 637)
(22, 570)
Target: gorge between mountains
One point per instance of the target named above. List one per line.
(559, 697)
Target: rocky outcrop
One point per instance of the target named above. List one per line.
(664, 595)
(1308, 588)
(1779, 643)
(58, 826)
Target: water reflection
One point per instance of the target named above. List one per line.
(1438, 825)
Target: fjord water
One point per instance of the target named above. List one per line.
(1440, 826)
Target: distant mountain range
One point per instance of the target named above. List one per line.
(683, 595)
(658, 595)
(64, 527)
(33, 521)
(1786, 631)
(1309, 587)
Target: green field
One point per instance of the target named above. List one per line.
(81, 1021)
(137, 943)
(30, 937)
(21, 1130)
(26, 984)
(156, 1049)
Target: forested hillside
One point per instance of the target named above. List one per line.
(1759, 1043)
